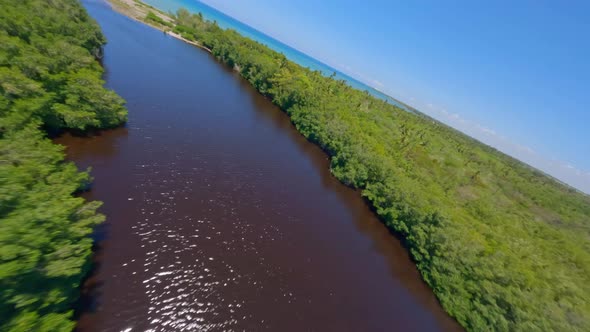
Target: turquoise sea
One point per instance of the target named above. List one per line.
(292, 54)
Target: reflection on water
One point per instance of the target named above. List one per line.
(221, 216)
(190, 282)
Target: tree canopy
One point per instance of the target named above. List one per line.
(49, 80)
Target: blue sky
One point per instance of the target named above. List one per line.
(514, 74)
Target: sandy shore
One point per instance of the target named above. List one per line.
(138, 10)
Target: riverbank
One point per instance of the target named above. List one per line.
(462, 208)
(138, 11)
(208, 230)
(50, 81)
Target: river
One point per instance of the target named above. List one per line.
(220, 216)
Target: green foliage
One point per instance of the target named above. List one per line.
(155, 19)
(503, 246)
(49, 78)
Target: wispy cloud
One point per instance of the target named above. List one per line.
(372, 82)
(486, 130)
(378, 84)
(561, 170)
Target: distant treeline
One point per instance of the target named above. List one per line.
(503, 246)
(49, 80)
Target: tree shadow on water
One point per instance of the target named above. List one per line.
(90, 289)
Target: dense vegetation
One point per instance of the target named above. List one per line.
(157, 20)
(49, 80)
(503, 246)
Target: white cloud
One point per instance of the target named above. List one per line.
(563, 171)
(486, 130)
(377, 83)
(519, 147)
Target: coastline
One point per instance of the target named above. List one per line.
(137, 11)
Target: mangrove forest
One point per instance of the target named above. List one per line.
(50, 81)
(503, 246)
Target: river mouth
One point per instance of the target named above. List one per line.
(220, 216)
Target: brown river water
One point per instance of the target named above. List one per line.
(220, 216)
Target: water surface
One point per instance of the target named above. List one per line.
(220, 216)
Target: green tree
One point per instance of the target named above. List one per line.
(49, 78)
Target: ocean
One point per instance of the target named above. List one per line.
(228, 22)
